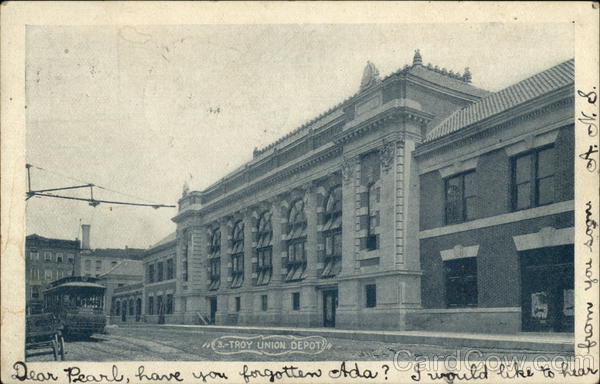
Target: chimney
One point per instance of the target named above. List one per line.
(85, 236)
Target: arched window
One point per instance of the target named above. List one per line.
(215, 259)
(296, 254)
(237, 254)
(264, 249)
(332, 233)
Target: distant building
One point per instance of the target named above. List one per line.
(152, 301)
(46, 260)
(125, 272)
(96, 262)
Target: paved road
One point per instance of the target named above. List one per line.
(156, 344)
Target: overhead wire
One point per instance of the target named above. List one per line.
(151, 203)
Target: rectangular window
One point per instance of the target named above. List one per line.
(371, 295)
(59, 257)
(98, 265)
(461, 282)
(160, 271)
(70, 258)
(170, 269)
(47, 256)
(238, 304)
(264, 300)
(87, 265)
(296, 301)
(533, 178)
(48, 275)
(151, 273)
(113, 264)
(460, 198)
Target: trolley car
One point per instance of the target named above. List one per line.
(77, 301)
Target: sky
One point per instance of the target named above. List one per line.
(139, 110)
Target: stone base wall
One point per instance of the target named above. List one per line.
(477, 320)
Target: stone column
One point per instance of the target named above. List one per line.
(349, 207)
(387, 206)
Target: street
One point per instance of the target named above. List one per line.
(159, 344)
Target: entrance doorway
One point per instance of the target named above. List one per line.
(330, 302)
(547, 295)
(213, 309)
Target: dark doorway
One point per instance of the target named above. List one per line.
(161, 309)
(138, 309)
(547, 289)
(213, 309)
(124, 311)
(330, 302)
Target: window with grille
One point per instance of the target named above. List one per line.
(332, 233)
(264, 249)
(237, 255)
(215, 259)
(460, 198)
(370, 175)
(296, 255)
(533, 178)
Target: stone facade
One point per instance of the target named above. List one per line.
(346, 222)
(356, 268)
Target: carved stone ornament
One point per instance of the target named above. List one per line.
(387, 155)
(370, 76)
(347, 169)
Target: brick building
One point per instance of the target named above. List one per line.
(46, 260)
(419, 202)
(497, 211)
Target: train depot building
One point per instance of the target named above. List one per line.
(421, 202)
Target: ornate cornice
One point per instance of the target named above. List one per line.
(390, 111)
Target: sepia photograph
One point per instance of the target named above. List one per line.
(391, 192)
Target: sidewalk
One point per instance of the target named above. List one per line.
(543, 342)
